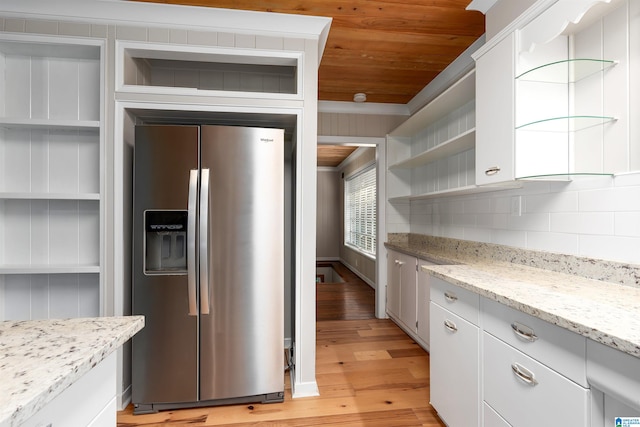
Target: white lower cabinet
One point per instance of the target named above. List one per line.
(423, 305)
(491, 418)
(90, 401)
(408, 295)
(454, 357)
(616, 375)
(527, 393)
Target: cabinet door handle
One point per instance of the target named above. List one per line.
(492, 170)
(524, 332)
(524, 374)
(450, 325)
(400, 263)
(450, 297)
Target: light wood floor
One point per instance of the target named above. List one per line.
(369, 373)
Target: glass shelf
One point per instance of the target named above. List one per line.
(562, 176)
(566, 124)
(566, 71)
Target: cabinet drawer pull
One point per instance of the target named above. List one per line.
(524, 332)
(450, 326)
(524, 374)
(450, 297)
(492, 170)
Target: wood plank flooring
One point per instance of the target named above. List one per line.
(369, 373)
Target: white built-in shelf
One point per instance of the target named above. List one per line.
(460, 93)
(27, 123)
(49, 196)
(458, 144)
(458, 191)
(49, 269)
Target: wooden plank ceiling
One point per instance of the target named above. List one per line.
(387, 49)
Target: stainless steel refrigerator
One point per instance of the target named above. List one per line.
(208, 266)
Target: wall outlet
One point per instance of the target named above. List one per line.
(516, 206)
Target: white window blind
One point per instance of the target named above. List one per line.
(360, 211)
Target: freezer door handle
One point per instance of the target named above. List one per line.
(191, 241)
(204, 242)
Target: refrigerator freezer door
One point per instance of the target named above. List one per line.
(165, 352)
(242, 345)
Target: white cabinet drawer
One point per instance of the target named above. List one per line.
(558, 348)
(460, 301)
(548, 400)
(492, 419)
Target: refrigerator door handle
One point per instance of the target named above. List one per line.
(191, 241)
(204, 242)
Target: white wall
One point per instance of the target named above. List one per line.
(328, 221)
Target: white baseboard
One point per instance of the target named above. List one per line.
(308, 389)
(327, 259)
(124, 398)
(357, 273)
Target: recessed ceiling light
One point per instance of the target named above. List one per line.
(360, 97)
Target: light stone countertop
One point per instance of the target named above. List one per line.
(41, 358)
(557, 288)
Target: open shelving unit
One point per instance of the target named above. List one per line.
(50, 177)
(432, 153)
(551, 123)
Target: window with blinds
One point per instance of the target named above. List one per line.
(360, 211)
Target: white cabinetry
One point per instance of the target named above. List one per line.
(394, 269)
(408, 300)
(50, 176)
(424, 290)
(617, 376)
(534, 373)
(495, 113)
(90, 401)
(408, 295)
(401, 289)
(432, 153)
(455, 354)
(544, 94)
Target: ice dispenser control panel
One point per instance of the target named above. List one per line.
(165, 242)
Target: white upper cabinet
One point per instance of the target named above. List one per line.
(495, 113)
(550, 96)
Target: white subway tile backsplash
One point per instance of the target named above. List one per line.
(529, 222)
(627, 224)
(553, 202)
(627, 179)
(509, 237)
(622, 249)
(626, 198)
(565, 243)
(597, 200)
(587, 217)
(477, 235)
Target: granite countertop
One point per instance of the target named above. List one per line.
(604, 310)
(41, 358)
